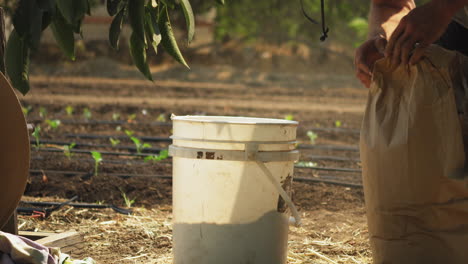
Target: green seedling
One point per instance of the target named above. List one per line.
(131, 118)
(42, 112)
(118, 128)
(144, 112)
(161, 118)
(289, 117)
(306, 164)
(129, 133)
(97, 160)
(312, 136)
(338, 123)
(67, 150)
(164, 154)
(87, 114)
(115, 116)
(128, 201)
(114, 142)
(139, 145)
(54, 124)
(26, 110)
(69, 110)
(36, 135)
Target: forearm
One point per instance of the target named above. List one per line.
(385, 15)
(450, 7)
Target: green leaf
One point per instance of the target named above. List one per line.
(17, 62)
(96, 156)
(115, 6)
(168, 40)
(189, 18)
(63, 34)
(136, 15)
(27, 21)
(220, 1)
(138, 52)
(152, 29)
(169, 3)
(115, 29)
(73, 10)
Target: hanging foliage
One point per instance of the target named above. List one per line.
(148, 20)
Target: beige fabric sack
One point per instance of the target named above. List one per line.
(411, 141)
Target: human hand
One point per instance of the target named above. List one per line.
(416, 31)
(365, 57)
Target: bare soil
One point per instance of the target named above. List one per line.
(334, 217)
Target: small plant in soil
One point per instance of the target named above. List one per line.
(36, 135)
(338, 123)
(114, 142)
(161, 118)
(67, 150)
(128, 201)
(118, 128)
(306, 164)
(87, 114)
(115, 116)
(97, 160)
(131, 118)
(69, 110)
(312, 136)
(289, 117)
(144, 112)
(42, 112)
(53, 124)
(139, 145)
(164, 154)
(26, 110)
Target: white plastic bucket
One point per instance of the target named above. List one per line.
(228, 176)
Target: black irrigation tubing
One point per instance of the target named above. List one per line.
(125, 175)
(336, 130)
(79, 144)
(340, 183)
(300, 146)
(169, 124)
(331, 158)
(77, 205)
(86, 151)
(328, 147)
(73, 173)
(328, 168)
(93, 136)
(116, 162)
(105, 122)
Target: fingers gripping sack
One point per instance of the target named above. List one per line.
(411, 142)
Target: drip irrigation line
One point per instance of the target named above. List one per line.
(132, 148)
(336, 130)
(327, 181)
(121, 175)
(120, 137)
(45, 212)
(116, 161)
(86, 151)
(69, 203)
(328, 147)
(105, 122)
(328, 168)
(79, 144)
(332, 158)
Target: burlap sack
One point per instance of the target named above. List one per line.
(411, 141)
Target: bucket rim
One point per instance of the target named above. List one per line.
(238, 120)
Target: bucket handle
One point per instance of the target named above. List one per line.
(251, 149)
(297, 218)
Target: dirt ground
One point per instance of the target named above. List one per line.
(328, 103)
